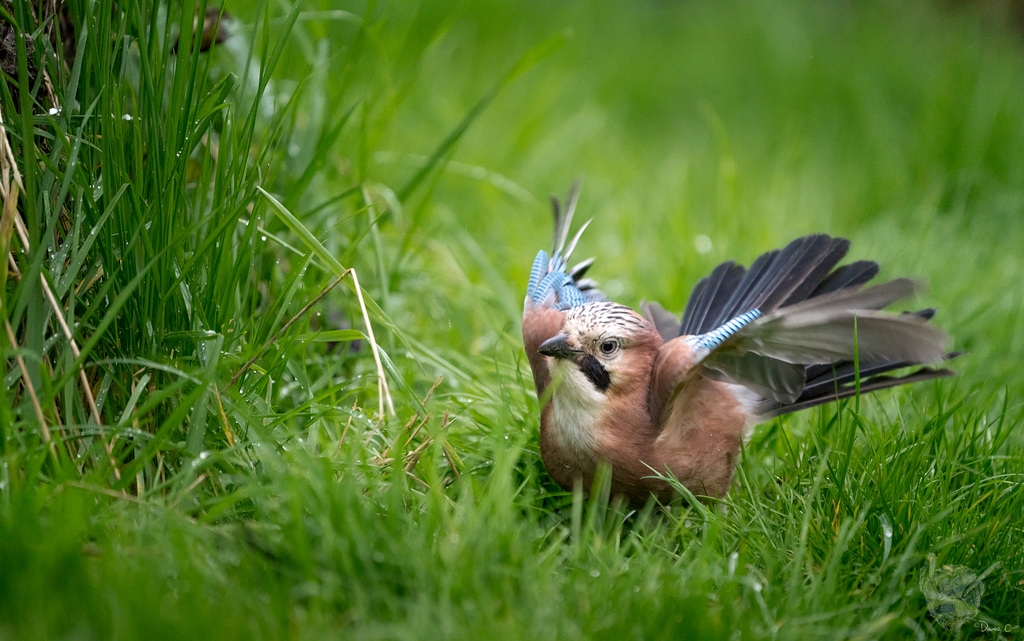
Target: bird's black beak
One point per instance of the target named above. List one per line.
(558, 347)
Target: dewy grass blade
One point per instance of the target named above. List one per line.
(304, 233)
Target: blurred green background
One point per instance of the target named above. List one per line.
(418, 143)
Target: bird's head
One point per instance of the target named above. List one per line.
(605, 346)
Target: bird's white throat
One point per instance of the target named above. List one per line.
(576, 408)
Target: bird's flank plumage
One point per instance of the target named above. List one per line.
(650, 392)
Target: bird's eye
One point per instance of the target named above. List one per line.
(609, 347)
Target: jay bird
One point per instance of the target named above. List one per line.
(651, 395)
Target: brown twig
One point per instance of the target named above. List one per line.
(447, 449)
(413, 457)
(451, 463)
(430, 392)
(416, 431)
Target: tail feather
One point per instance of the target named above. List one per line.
(845, 371)
(825, 376)
(834, 389)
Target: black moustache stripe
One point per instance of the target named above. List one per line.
(595, 372)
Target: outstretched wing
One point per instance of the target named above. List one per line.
(771, 353)
(789, 329)
(554, 287)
